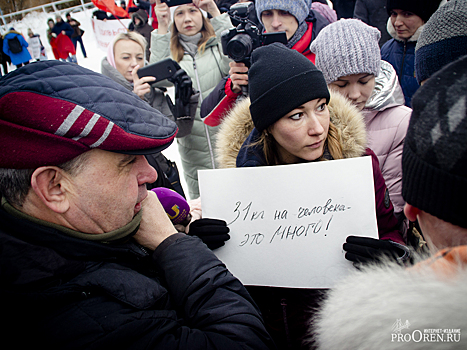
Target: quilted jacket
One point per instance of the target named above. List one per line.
(206, 70)
(387, 120)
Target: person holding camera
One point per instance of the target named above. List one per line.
(301, 25)
(194, 42)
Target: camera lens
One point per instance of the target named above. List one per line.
(239, 47)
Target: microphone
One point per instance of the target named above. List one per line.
(174, 204)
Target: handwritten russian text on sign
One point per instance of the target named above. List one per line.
(288, 223)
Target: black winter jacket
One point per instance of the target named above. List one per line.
(60, 292)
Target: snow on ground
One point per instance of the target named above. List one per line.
(37, 21)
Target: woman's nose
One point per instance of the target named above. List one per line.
(314, 126)
(354, 92)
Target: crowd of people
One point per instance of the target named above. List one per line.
(91, 259)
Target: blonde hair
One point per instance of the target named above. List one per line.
(133, 36)
(177, 50)
(271, 154)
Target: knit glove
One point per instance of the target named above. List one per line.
(212, 232)
(366, 250)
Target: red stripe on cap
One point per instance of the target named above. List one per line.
(37, 130)
(25, 148)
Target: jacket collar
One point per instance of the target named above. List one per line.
(387, 92)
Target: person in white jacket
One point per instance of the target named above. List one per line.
(35, 45)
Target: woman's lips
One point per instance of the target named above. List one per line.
(315, 145)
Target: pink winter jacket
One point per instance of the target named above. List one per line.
(386, 120)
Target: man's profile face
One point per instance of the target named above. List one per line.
(107, 193)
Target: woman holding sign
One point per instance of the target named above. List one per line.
(297, 120)
(194, 42)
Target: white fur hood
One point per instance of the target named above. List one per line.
(363, 311)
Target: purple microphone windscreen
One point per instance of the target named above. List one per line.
(174, 204)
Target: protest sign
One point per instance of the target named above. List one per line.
(106, 31)
(288, 223)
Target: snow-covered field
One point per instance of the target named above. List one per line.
(37, 21)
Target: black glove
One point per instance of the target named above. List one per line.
(365, 250)
(183, 92)
(212, 232)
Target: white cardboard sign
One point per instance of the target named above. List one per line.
(288, 223)
(106, 31)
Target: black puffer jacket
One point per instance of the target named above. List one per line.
(60, 292)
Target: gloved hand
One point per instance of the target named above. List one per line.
(365, 250)
(183, 92)
(212, 232)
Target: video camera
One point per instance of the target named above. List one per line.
(238, 43)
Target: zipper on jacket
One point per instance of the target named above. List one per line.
(211, 153)
(403, 60)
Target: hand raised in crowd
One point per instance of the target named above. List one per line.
(209, 6)
(162, 11)
(238, 75)
(155, 224)
(141, 85)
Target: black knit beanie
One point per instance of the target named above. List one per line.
(280, 80)
(442, 40)
(434, 161)
(422, 8)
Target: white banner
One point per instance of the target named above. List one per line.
(288, 223)
(105, 31)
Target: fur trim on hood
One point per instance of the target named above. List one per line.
(237, 125)
(364, 310)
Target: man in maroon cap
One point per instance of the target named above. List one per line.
(89, 258)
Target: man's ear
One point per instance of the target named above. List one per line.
(47, 183)
(411, 212)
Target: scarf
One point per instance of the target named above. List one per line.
(122, 232)
(302, 28)
(190, 43)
